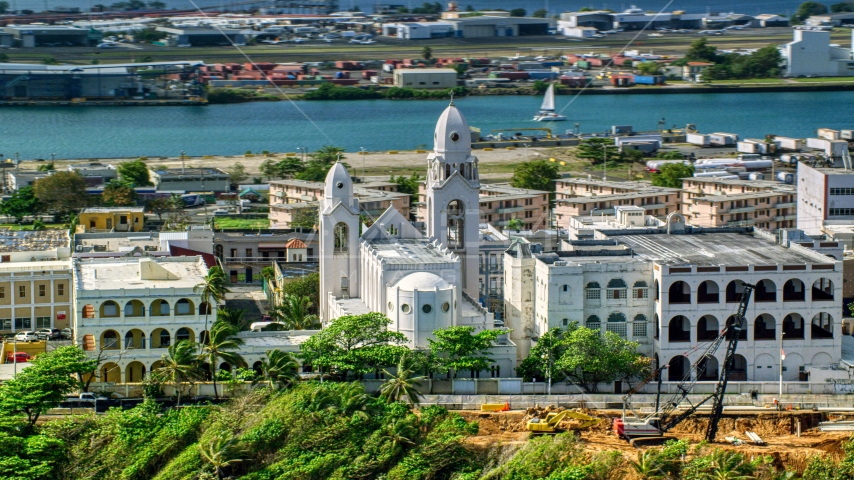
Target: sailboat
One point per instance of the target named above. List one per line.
(547, 109)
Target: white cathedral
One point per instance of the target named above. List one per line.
(422, 282)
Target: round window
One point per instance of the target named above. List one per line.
(446, 306)
(455, 136)
(390, 306)
(426, 308)
(340, 185)
(404, 308)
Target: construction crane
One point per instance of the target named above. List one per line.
(549, 425)
(636, 426)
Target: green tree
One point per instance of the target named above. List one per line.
(118, 193)
(671, 175)
(4, 58)
(591, 358)
(234, 317)
(402, 383)
(515, 224)
(539, 87)
(179, 365)
(518, 12)
(808, 9)
(148, 35)
(212, 289)
(541, 13)
(536, 175)
(649, 68)
(319, 163)
(304, 218)
(408, 185)
(290, 166)
(841, 7)
(22, 203)
(280, 369)
(701, 51)
(220, 453)
(222, 344)
(50, 61)
(268, 169)
(356, 344)
(540, 362)
(294, 313)
(135, 172)
(237, 173)
(76, 362)
(459, 348)
(306, 286)
(595, 150)
(42, 386)
(159, 206)
(62, 192)
(46, 167)
(33, 457)
(426, 52)
(157, 5)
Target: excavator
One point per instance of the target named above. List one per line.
(639, 427)
(550, 424)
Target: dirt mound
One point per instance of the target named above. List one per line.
(763, 424)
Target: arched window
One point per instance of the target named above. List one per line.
(822, 290)
(218, 251)
(593, 291)
(793, 327)
(109, 309)
(734, 289)
(184, 333)
(639, 326)
(679, 368)
(342, 238)
(707, 328)
(679, 329)
(593, 323)
(456, 225)
(679, 292)
(764, 327)
(794, 291)
(640, 290)
(708, 292)
(708, 369)
(617, 324)
(766, 291)
(730, 325)
(617, 289)
(184, 307)
(738, 369)
(822, 326)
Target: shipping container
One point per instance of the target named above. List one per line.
(818, 143)
(846, 134)
(622, 80)
(514, 75)
(837, 147)
(787, 143)
(552, 63)
(583, 64)
(367, 74)
(756, 176)
(723, 139)
(697, 139)
(753, 165)
(541, 75)
(747, 147)
(649, 79)
(828, 134)
(528, 66)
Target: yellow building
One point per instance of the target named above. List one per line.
(35, 295)
(111, 219)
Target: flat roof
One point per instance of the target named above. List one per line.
(275, 339)
(727, 197)
(117, 242)
(713, 248)
(28, 240)
(41, 265)
(113, 273)
(181, 172)
(113, 209)
(405, 71)
(410, 252)
(613, 196)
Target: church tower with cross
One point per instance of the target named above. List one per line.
(453, 198)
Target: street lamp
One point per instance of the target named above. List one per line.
(576, 129)
(362, 150)
(182, 162)
(52, 157)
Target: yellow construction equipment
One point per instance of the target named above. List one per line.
(550, 424)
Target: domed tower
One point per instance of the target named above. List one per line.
(453, 194)
(339, 239)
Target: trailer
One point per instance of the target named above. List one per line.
(723, 139)
(698, 139)
(787, 143)
(828, 134)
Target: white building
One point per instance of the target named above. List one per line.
(812, 54)
(824, 195)
(134, 308)
(425, 78)
(565, 28)
(673, 287)
(418, 30)
(422, 282)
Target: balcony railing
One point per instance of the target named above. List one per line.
(740, 210)
(510, 210)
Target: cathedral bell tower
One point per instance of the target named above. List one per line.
(453, 194)
(339, 239)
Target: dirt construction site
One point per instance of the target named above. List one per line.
(778, 430)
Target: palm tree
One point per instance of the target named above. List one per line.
(728, 465)
(220, 453)
(402, 383)
(213, 288)
(221, 345)
(179, 364)
(649, 466)
(280, 369)
(293, 313)
(232, 317)
(401, 433)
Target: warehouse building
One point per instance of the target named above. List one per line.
(418, 30)
(425, 78)
(30, 36)
(191, 180)
(198, 36)
(489, 26)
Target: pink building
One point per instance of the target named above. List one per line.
(710, 202)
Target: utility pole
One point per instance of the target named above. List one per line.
(362, 149)
(604, 162)
(182, 162)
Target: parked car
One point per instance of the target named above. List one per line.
(18, 357)
(220, 211)
(49, 333)
(26, 337)
(67, 333)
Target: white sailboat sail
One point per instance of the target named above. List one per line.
(549, 100)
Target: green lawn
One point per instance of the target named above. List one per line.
(236, 223)
(825, 80)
